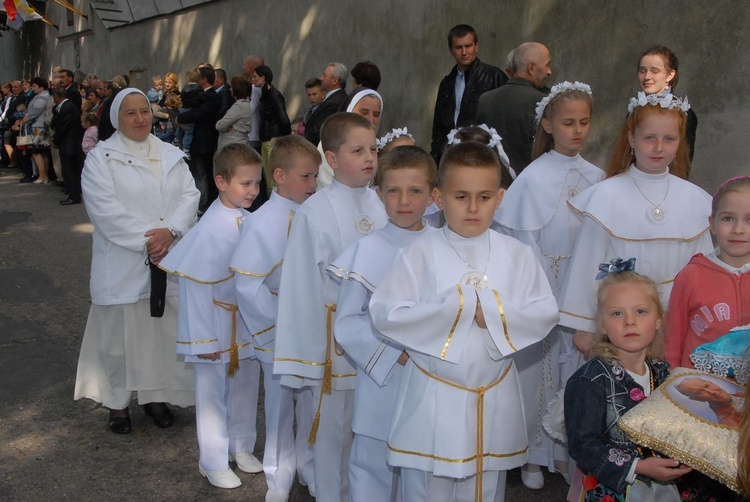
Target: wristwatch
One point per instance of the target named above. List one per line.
(175, 233)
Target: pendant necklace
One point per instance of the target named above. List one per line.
(655, 212)
(473, 277)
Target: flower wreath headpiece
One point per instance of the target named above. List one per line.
(665, 100)
(495, 142)
(395, 133)
(559, 89)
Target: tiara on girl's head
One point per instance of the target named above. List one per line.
(666, 100)
(395, 133)
(495, 138)
(559, 89)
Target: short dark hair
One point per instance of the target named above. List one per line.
(265, 72)
(233, 155)
(68, 73)
(60, 93)
(241, 87)
(219, 72)
(208, 74)
(335, 128)
(460, 31)
(367, 74)
(40, 82)
(407, 157)
(468, 154)
(313, 82)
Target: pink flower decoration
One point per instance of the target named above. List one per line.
(636, 394)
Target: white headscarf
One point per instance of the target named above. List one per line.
(114, 112)
(361, 93)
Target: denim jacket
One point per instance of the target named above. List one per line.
(596, 396)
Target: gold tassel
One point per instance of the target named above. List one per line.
(234, 350)
(314, 428)
(325, 387)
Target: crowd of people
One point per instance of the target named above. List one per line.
(419, 316)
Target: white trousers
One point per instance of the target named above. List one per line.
(284, 454)
(421, 486)
(370, 476)
(225, 411)
(333, 445)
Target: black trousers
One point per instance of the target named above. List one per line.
(71, 166)
(202, 169)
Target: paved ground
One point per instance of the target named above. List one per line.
(53, 448)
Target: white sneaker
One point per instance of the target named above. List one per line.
(246, 462)
(276, 496)
(221, 479)
(532, 480)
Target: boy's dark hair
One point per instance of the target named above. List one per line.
(67, 72)
(407, 157)
(265, 72)
(335, 128)
(233, 155)
(219, 72)
(460, 31)
(285, 150)
(468, 154)
(313, 82)
(208, 74)
(367, 74)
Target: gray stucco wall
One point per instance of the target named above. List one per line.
(594, 42)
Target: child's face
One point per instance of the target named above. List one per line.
(158, 85)
(653, 74)
(299, 183)
(406, 194)
(242, 189)
(629, 316)
(356, 161)
(168, 84)
(569, 125)
(731, 226)
(468, 198)
(315, 95)
(655, 142)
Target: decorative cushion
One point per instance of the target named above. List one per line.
(693, 418)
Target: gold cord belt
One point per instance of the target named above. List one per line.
(479, 391)
(234, 352)
(327, 372)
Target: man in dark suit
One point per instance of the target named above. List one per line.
(205, 138)
(67, 137)
(66, 82)
(223, 92)
(459, 91)
(333, 83)
(511, 108)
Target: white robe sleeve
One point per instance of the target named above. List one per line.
(301, 331)
(196, 333)
(522, 315)
(108, 215)
(257, 305)
(438, 327)
(374, 354)
(183, 216)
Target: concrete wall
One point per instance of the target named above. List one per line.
(594, 42)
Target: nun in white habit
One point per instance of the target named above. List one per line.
(140, 197)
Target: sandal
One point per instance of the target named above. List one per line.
(119, 423)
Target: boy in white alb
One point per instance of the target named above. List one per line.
(210, 332)
(405, 179)
(257, 263)
(306, 351)
(461, 300)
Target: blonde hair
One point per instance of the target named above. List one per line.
(286, 150)
(172, 77)
(156, 78)
(603, 347)
(731, 185)
(173, 101)
(543, 141)
(623, 155)
(193, 75)
(233, 155)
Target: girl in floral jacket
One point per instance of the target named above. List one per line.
(625, 369)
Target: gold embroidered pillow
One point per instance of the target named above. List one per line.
(692, 417)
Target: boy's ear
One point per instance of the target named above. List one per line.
(500, 195)
(331, 159)
(437, 197)
(221, 183)
(279, 176)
